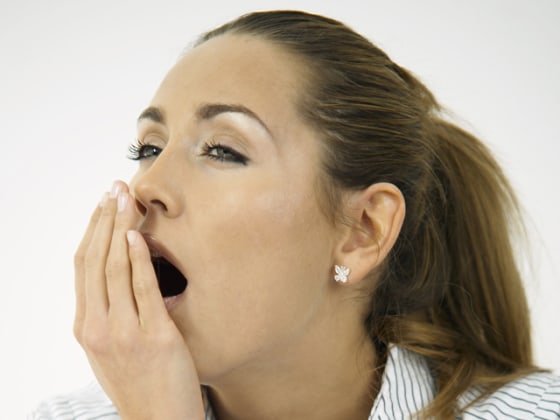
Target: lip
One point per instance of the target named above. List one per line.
(157, 249)
(172, 301)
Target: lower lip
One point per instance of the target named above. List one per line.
(172, 301)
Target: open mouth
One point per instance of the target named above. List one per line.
(171, 281)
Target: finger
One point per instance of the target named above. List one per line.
(118, 270)
(150, 304)
(79, 269)
(97, 303)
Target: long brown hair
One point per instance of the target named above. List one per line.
(451, 289)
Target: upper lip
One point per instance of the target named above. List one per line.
(157, 249)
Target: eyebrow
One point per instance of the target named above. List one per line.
(152, 113)
(209, 111)
(205, 112)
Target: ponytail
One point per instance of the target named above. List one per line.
(466, 310)
(482, 213)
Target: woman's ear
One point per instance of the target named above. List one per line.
(377, 214)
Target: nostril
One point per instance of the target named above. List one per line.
(158, 203)
(145, 207)
(141, 208)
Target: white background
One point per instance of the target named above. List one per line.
(75, 74)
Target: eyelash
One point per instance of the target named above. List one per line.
(139, 151)
(234, 156)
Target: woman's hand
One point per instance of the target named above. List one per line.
(135, 349)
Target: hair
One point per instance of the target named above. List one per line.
(450, 289)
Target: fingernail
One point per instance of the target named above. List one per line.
(122, 200)
(103, 200)
(115, 189)
(131, 237)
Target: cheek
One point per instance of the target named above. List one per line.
(270, 229)
(261, 266)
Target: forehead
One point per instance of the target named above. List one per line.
(235, 69)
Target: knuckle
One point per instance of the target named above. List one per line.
(108, 209)
(142, 288)
(94, 340)
(91, 259)
(79, 257)
(95, 216)
(78, 333)
(121, 222)
(167, 338)
(124, 339)
(115, 267)
(79, 261)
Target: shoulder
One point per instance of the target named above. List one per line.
(88, 402)
(408, 386)
(532, 396)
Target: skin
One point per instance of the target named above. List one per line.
(262, 323)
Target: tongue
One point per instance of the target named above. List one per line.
(171, 281)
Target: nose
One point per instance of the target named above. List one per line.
(157, 186)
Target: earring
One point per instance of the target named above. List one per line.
(342, 273)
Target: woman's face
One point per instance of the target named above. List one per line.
(232, 200)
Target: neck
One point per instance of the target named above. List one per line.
(327, 373)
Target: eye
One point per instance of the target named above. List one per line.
(141, 151)
(222, 153)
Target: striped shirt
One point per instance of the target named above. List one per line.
(407, 387)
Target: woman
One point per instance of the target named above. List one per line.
(327, 247)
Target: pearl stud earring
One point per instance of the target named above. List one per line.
(342, 273)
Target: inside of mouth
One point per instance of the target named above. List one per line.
(171, 281)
